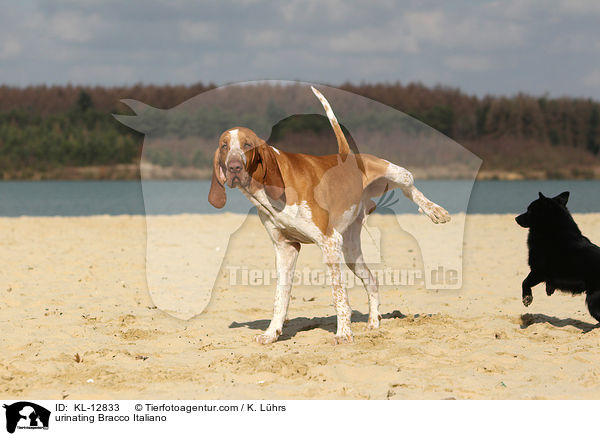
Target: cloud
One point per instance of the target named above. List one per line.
(498, 46)
(592, 79)
(73, 26)
(372, 40)
(469, 63)
(575, 42)
(198, 31)
(98, 74)
(416, 31)
(580, 7)
(10, 48)
(263, 38)
(453, 30)
(428, 26)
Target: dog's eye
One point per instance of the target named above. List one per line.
(224, 146)
(246, 145)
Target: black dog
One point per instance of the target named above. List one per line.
(559, 254)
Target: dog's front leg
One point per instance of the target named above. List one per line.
(332, 251)
(531, 280)
(286, 254)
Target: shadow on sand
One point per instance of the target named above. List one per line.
(302, 324)
(528, 319)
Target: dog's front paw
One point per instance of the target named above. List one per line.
(266, 338)
(549, 290)
(436, 213)
(373, 322)
(344, 338)
(527, 300)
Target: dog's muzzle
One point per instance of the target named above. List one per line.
(523, 220)
(236, 173)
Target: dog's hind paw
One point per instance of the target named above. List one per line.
(435, 212)
(527, 300)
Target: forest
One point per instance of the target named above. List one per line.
(56, 131)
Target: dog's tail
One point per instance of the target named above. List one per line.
(343, 147)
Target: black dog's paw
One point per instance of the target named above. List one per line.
(527, 299)
(549, 290)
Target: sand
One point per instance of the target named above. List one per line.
(77, 322)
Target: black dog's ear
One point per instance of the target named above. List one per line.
(562, 198)
(541, 195)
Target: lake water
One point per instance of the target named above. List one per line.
(80, 198)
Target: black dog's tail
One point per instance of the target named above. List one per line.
(593, 304)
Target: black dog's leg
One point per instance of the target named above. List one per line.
(593, 303)
(532, 279)
(549, 289)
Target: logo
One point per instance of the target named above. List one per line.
(26, 415)
(182, 143)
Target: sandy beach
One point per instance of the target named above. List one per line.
(78, 322)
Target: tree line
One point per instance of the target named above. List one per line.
(46, 127)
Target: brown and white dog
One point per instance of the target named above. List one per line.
(304, 199)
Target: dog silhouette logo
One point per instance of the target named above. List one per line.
(26, 415)
(184, 266)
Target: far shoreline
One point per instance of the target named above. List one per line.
(154, 172)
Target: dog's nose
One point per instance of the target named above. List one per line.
(234, 166)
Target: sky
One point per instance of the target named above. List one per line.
(482, 47)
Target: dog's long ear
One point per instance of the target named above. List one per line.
(541, 195)
(273, 180)
(562, 198)
(263, 167)
(217, 195)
